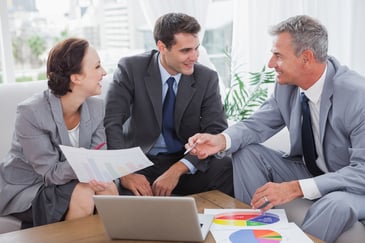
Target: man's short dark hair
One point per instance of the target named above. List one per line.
(170, 24)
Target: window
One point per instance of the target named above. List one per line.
(115, 28)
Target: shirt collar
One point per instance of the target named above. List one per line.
(315, 91)
(165, 75)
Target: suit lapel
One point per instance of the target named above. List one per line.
(56, 109)
(184, 95)
(326, 99)
(85, 126)
(296, 124)
(85, 123)
(154, 88)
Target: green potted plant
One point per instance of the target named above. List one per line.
(242, 99)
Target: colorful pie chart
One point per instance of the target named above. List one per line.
(245, 218)
(255, 236)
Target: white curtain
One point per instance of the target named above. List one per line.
(152, 9)
(344, 20)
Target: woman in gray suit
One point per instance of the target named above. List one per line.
(37, 184)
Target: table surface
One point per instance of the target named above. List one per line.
(90, 229)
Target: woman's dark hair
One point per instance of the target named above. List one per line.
(65, 59)
(170, 24)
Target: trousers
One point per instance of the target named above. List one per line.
(219, 175)
(256, 165)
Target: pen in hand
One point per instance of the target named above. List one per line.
(97, 147)
(189, 149)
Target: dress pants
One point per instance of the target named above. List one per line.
(327, 218)
(218, 176)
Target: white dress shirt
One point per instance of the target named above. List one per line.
(308, 186)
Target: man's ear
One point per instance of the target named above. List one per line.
(308, 56)
(161, 46)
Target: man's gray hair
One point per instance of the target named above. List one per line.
(307, 34)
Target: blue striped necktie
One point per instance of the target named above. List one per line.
(168, 129)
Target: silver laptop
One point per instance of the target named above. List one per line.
(152, 218)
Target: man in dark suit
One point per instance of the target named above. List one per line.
(135, 115)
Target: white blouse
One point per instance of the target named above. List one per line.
(74, 135)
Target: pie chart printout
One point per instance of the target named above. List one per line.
(255, 236)
(245, 218)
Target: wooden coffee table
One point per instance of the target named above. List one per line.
(90, 229)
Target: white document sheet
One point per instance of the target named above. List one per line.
(250, 225)
(283, 233)
(104, 165)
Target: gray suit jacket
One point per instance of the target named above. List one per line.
(35, 158)
(341, 122)
(134, 105)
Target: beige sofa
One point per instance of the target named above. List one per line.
(12, 94)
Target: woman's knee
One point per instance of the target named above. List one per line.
(82, 196)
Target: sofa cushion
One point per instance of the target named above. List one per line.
(10, 95)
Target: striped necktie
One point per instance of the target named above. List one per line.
(173, 144)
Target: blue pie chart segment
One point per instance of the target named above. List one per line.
(255, 236)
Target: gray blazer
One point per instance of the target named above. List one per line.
(341, 122)
(134, 105)
(35, 158)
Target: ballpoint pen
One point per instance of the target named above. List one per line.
(97, 147)
(189, 149)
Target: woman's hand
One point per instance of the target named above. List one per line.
(103, 188)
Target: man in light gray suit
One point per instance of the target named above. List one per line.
(266, 178)
(136, 114)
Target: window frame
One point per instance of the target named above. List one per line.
(8, 73)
